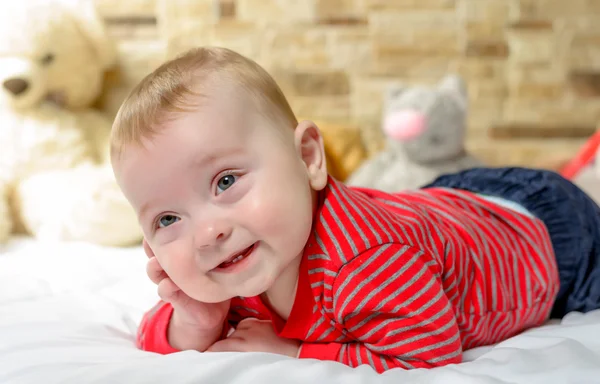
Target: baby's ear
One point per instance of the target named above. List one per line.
(309, 144)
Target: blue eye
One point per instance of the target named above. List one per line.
(167, 220)
(225, 182)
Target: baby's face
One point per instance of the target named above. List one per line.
(225, 198)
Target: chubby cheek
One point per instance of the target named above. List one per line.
(282, 217)
(176, 261)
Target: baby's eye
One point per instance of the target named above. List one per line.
(167, 220)
(225, 182)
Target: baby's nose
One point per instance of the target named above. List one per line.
(16, 85)
(212, 234)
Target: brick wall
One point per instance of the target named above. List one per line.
(533, 66)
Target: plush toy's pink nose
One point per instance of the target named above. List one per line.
(404, 125)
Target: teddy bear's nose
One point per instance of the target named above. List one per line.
(16, 86)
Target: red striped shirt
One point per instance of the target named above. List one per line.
(406, 280)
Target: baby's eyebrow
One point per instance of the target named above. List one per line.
(216, 154)
(144, 209)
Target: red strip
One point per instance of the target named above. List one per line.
(583, 158)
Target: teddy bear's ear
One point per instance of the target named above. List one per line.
(92, 26)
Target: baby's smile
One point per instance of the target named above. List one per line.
(237, 260)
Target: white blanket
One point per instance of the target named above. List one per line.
(68, 314)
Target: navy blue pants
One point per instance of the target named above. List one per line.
(571, 217)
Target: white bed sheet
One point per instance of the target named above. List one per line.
(68, 313)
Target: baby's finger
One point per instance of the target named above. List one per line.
(231, 344)
(168, 291)
(248, 323)
(155, 271)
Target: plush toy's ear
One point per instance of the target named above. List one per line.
(454, 85)
(393, 92)
(86, 16)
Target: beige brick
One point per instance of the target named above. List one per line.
(372, 136)
(138, 58)
(521, 152)
(414, 33)
(184, 24)
(240, 37)
(536, 82)
(537, 91)
(128, 8)
(419, 68)
(536, 111)
(304, 84)
(428, 43)
(551, 9)
(330, 108)
(133, 31)
(487, 48)
(487, 90)
(483, 114)
(532, 47)
(536, 130)
(476, 69)
(535, 25)
(135, 60)
(227, 9)
(275, 11)
(584, 52)
(185, 37)
(482, 30)
(410, 4)
(393, 22)
(368, 95)
(350, 49)
(585, 23)
(321, 83)
(367, 107)
(489, 11)
(585, 84)
(172, 13)
(483, 20)
(337, 9)
(296, 47)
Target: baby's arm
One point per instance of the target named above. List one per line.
(178, 322)
(158, 333)
(390, 299)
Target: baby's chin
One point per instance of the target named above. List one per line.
(252, 287)
(224, 296)
(213, 299)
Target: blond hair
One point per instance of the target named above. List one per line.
(179, 84)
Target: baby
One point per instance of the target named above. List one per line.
(254, 247)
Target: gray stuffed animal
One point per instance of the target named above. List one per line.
(425, 133)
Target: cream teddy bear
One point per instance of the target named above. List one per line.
(425, 133)
(56, 182)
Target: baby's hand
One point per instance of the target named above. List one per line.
(252, 335)
(194, 324)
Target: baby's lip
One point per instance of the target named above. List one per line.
(232, 256)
